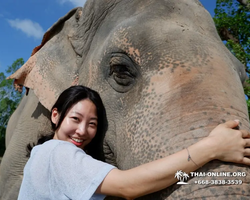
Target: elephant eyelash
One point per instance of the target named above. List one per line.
(122, 65)
(120, 70)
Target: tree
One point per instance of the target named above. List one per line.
(9, 99)
(232, 20)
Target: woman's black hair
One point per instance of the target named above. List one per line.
(65, 101)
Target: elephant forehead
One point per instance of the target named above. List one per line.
(164, 37)
(187, 14)
(160, 42)
(157, 44)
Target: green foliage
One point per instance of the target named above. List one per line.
(232, 20)
(9, 99)
(247, 92)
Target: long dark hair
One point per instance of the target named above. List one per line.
(65, 101)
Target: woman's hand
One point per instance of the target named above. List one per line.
(230, 145)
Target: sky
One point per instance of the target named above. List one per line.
(23, 24)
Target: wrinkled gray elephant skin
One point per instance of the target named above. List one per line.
(165, 77)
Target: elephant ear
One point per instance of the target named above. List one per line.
(52, 66)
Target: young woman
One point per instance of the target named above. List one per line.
(60, 168)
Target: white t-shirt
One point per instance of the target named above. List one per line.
(59, 170)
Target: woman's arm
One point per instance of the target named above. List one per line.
(223, 143)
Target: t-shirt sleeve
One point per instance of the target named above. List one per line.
(74, 173)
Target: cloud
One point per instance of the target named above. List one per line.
(74, 2)
(30, 28)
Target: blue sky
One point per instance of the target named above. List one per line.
(23, 24)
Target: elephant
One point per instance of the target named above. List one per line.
(165, 77)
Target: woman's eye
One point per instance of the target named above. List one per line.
(93, 124)
(75, 118)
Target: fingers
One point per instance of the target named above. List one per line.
(231, 123)
(246, 158)
(234, 124)
(245, 133)
(247, 152)
(247, 142)
(246, 161)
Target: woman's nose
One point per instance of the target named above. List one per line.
(82, 129)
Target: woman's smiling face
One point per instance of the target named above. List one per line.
(79, 125)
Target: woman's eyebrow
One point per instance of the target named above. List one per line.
(77, 113)
(93, 118)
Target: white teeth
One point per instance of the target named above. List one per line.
(77, 140)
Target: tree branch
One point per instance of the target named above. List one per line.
(225, 34)
(244, 2)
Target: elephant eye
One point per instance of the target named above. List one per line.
(122, 72)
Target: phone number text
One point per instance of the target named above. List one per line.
(219, 182)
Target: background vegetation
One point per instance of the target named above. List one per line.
(9, 99)
(232, 20)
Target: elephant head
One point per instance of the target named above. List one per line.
(164, 75)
